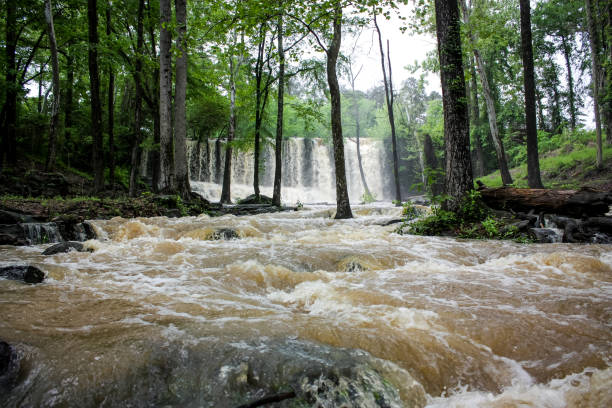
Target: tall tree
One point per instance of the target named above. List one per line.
(166, 154)
(180, 114)
(278, 147)
(533, 162)
(55, 106)
(596, 71)
(94, 89)
(476, 129)
(458, 167)
(490, 102)
(389, 100)
(111, 106)
(136, 151)
(9, 143)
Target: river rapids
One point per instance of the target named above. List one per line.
(309, 310)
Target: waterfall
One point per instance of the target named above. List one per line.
(308, 173)
(41, 233)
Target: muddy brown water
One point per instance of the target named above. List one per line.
(159, 315)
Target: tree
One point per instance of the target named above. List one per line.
(9, 119)
(167, 181)
(533, 162)
(276, 194)
(55, 106)
(135, 155)
(111, 106)
(458, 167)
(94, 86)
(596, 67)
(389, 100)
(180, 115)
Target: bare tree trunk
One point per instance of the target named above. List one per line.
(111, 108)
(226, 196)
(475, 110)
(180, 114)
(258, 110)
(155, 153)
(166, 154)
(278, 146)
(343, 206)
(570, 83)
(55, 107)
(594, 42)
(389, 99)
(533, 161)
(136, 151)
(94, 86)
(9, 143)
(68, 107)
(458, 166)
(491, 112)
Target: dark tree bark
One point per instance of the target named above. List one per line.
(570, 82)
(475, 112)
(154, 106)
(9, 143)
(111, 108)
(259, 110)
(596, 67)
(136, 151)
(436, 187)
(389, 100)
(533, 161)
(458, 167)
(226, 196)
(68, 107)
(278, 146)
(94, 86)
(166, 154)
(343, 206)
(180, 115)
(55, 106)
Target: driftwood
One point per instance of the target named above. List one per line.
(576, 203)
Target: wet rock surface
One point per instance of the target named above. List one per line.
(63, 247)
(9, 366)
(23, 273)
(224, 234)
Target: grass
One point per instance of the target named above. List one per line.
(560, 170)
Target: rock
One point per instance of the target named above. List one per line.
(9, 366)
(64, 247)
(173, 213)
(10, 217)
(252, 199)
(12, 234)
(225, 234)
(544, 235)
(24, 273)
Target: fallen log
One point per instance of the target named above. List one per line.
(577, 203)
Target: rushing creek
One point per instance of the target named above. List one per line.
(341, 313)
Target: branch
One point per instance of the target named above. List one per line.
(310, 29)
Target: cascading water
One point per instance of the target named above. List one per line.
(308, 170)
(320, 312)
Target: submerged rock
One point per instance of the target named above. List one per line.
(64, 247)
(24, 273)
(224, 234)
(545, 235)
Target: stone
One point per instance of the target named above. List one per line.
(12, 234)
(9, 366)
(545, 235)
(225, 234)
(63, 247)
(24, 273)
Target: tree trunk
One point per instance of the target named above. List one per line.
(533, 161)
(491, 112)
(458, 166)
(436, 187)
(570, 82)
(166, 152)
(96, 108)
(9, 143)
(594, 42)
(68, 107)
(55, 107)
(111, 108)
(475, 111)
(278, 145)
(180, 114)
(343, 206)
(357, 136)
(226, 196)
(563, 202)
(155, 152)
(136, 150)
(389, 100)
(258, 111)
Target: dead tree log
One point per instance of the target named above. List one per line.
(576, 203)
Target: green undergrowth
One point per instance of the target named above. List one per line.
(474, 220)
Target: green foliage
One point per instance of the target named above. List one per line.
(367, 197)
(409, 211)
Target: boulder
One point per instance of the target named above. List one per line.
(63, 247)
(12, 234)
(24, 273)
(252, 199)
(545, 235)
(9, 366)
